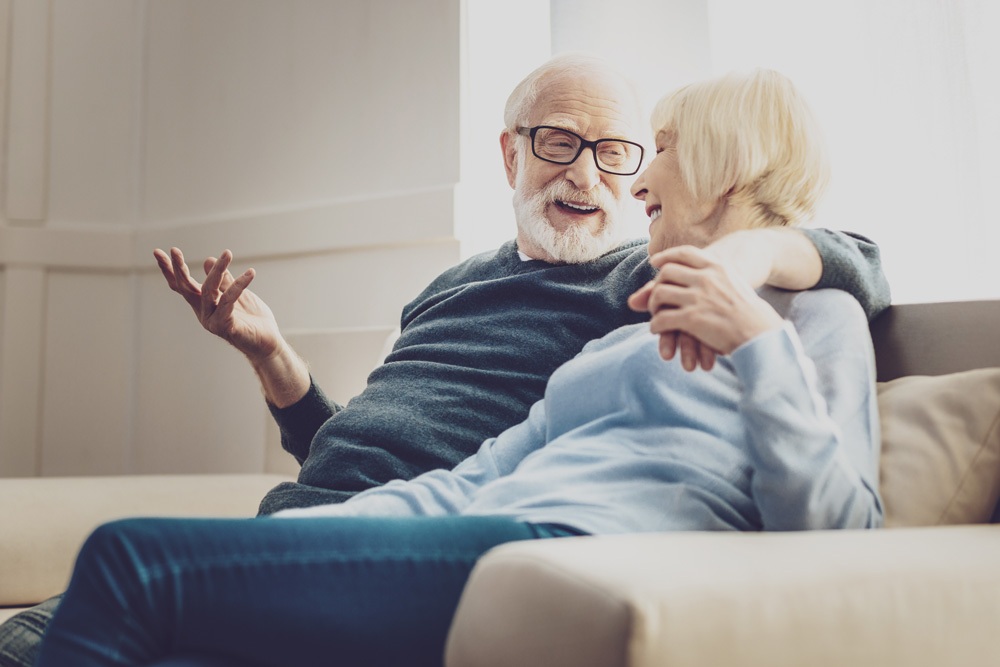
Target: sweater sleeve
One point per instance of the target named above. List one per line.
(300, 421)
(852, 263)
(444, 492)
(814, 438)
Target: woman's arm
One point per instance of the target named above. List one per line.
(443, 492)
(811, 417)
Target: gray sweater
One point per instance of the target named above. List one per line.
(476, 349)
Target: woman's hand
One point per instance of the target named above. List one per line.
(702, 306)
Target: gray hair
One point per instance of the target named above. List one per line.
(522, 100)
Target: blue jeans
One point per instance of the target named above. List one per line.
(225, 592)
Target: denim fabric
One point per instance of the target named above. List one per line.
(21, 635)
(345, 591)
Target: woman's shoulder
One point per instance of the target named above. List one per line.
(823, 303)
(824, 319)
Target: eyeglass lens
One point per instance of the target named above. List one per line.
(562, 146)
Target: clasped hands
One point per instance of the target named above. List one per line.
(703, 301)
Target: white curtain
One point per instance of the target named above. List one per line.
(908, 92)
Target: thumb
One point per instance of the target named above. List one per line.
(639, 300)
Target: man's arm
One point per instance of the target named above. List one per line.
(786, 258)
(225, 307)
(803, 259)
(851, 263)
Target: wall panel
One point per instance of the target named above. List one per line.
(96, 61)
(257, 105)
(27, 111)
(87, 378)
(23, 318)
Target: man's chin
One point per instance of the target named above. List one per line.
(576, 245)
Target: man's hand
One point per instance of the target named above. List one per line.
(223, 304)
(702, 301)
(225, 307)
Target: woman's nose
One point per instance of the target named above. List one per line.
(638, 188)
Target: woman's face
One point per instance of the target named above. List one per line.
(676, 217)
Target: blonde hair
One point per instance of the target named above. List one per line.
(752, 138)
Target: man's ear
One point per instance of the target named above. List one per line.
(508, 143)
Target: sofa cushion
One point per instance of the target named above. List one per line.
(940, 448)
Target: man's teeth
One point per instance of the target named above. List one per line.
(580, 207)
(655, 213)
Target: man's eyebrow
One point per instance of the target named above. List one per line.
(617, 136)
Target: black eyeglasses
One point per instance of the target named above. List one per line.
(612, 156)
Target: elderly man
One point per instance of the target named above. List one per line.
(477, 346)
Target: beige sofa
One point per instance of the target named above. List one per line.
(925, 591)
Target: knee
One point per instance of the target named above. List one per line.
(112, 550)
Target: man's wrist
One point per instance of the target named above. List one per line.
(284, 376)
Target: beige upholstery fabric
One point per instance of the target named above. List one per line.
(940, 448)
(915, 597)
(45, 520)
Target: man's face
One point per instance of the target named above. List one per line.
(572, 212)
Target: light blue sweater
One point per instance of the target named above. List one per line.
(781, 435)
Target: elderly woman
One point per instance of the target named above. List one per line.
(781, 433)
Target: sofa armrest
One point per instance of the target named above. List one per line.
(46, 520)
(922, 596)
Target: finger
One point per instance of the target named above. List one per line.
(639, 299)
(706, 357)
(683, 254)
(214, 278)
(227, 277)
(678, 274)
(229, 298)
(227, 281)
(164, 263)
(669, 296)
(688, 347)
(182, 277)
(668, 345)
(667, 320)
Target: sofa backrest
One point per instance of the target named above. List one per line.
(936, 338)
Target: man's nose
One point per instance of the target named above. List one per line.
(583, 172)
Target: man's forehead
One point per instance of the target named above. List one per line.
(594, 105)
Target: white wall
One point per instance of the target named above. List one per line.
(318, 140)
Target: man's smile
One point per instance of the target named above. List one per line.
(579, 209)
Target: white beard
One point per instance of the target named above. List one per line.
(575, 244)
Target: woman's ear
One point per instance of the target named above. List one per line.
(508, 142)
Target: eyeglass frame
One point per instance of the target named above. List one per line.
(592, 145)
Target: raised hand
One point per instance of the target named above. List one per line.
(223, 304)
